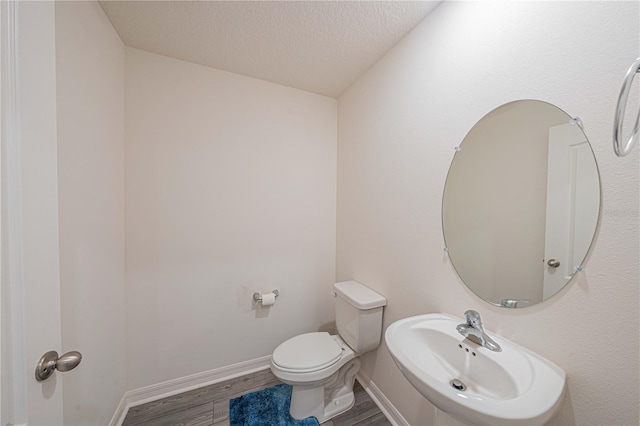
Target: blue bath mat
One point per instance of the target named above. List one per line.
(267, 407)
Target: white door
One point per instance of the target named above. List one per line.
(30, 254)
(573, 198)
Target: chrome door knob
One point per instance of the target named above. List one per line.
(553, 263)
(50, 362)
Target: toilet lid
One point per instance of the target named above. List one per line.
(308, 352)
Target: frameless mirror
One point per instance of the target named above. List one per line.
(521, 203)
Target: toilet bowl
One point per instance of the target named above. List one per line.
(321, 367)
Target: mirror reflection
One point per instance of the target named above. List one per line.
(521, 203)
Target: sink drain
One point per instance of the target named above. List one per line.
(457, 384)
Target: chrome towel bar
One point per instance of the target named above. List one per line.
(619, 149)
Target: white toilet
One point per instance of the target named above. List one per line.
(321, 367)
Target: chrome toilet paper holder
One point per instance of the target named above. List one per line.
(257, 297)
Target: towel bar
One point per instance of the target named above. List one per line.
(621, 151)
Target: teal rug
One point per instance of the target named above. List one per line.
(267, 407)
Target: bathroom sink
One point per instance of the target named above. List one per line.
(511, 387)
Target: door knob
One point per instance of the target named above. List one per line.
(50, 362)
(553, 263)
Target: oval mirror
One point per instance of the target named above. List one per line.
(521, 203)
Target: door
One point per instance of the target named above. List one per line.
(571, 178)
(30, 252)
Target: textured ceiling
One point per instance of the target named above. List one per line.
(318, 46)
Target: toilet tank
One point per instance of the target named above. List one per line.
(359, 315)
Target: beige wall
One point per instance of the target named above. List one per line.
(398, 126)
(230, 189)
(90, 106)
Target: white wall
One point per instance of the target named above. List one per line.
(230, 189)
(90, 102)
(398, 126)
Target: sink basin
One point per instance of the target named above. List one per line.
(511, 387)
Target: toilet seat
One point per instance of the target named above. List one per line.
(307, 353)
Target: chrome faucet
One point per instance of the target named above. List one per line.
(511, 303)
(473, 331)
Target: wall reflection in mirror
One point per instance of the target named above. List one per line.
(521, 203)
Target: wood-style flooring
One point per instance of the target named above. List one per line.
(209, 405)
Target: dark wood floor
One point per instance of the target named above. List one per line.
(209, 405)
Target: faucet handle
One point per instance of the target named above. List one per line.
(473, 319)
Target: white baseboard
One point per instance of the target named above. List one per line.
(387, 408)
(120, 413)
(184, 384)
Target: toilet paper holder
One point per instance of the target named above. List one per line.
(257, 297)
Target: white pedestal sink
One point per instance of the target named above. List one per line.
(511, 387)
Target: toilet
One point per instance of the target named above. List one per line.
(321, 367)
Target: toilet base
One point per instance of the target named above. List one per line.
(338, 406)
(328, 400)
